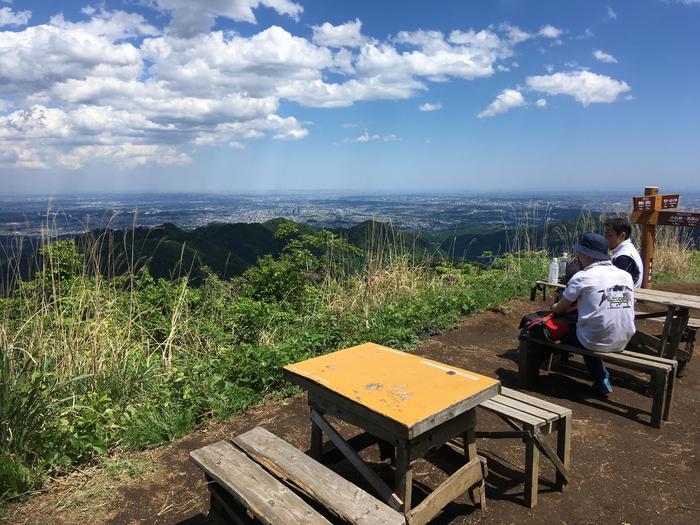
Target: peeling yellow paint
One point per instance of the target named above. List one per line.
(401, 386)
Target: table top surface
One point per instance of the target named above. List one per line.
(653, 296)
(401, 386)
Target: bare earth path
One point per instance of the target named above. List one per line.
(624, 471)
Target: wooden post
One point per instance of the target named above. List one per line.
(648, 238)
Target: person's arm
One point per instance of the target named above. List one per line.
(562, 306)
(569, 295)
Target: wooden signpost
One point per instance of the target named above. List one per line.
(655, 209)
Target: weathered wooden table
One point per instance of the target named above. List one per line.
(673, 307)
(413, 403)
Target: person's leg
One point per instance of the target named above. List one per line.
(595, 365)
(597, 368)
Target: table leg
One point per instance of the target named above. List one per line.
(469, 437)
(677, 328)
(469, 443)
(403, 482)
(316, 447)
(666, 331)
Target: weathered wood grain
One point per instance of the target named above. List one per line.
(342, 498)
(354, 458)
(266, 497)
(466, 477)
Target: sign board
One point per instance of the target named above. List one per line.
(647, 203)
(656, 202)
(679, 218)
(670, 201)
(667, 218)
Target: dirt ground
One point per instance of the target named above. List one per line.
(624, 471)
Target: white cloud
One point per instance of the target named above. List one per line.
(125, 155)
(428, 106)
(343, 35)
(612, 14)
(193, 17)
(258, 65)
(549, 31)
(514, 34)
(8, 17)
(506, 100)
(366, 137)
(688, 2)
(604, 57)
(541, 103)
(584, 86)
(588, 33)
(115, 25)
(110, 84)
(40, 56)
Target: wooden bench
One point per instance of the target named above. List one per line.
(662, 371)
(532, 419)
(250, 480)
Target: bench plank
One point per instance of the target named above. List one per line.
(267, 498)
(527, 408)
(342, 498)
(500, 408)
(635, 363)
(536, 401)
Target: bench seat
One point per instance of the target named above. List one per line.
(532, 419)
(238, 470)
(661, 370)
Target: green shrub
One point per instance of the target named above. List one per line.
(136, 362)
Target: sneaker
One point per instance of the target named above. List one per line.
(603, 386)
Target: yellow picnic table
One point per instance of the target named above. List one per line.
(411, 402)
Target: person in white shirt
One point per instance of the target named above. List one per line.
(624, 255)
(605, 298)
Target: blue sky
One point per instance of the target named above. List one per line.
(258, 95)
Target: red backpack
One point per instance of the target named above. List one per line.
(545, 325)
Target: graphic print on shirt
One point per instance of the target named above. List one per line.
(618, 296)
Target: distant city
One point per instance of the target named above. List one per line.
(70, 214)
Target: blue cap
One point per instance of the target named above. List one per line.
(593, 245)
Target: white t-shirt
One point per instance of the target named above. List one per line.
(605, 296)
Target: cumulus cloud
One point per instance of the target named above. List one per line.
(343, 35)
(541, 103)
(514, 34)
(584, 86)
(193, 17)
(604, 57)
(549, 31)
(612, 14)
(506, 100)
(428, 106)
(115, 25)
(8, 17)
(109, 85)
(40, 56)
